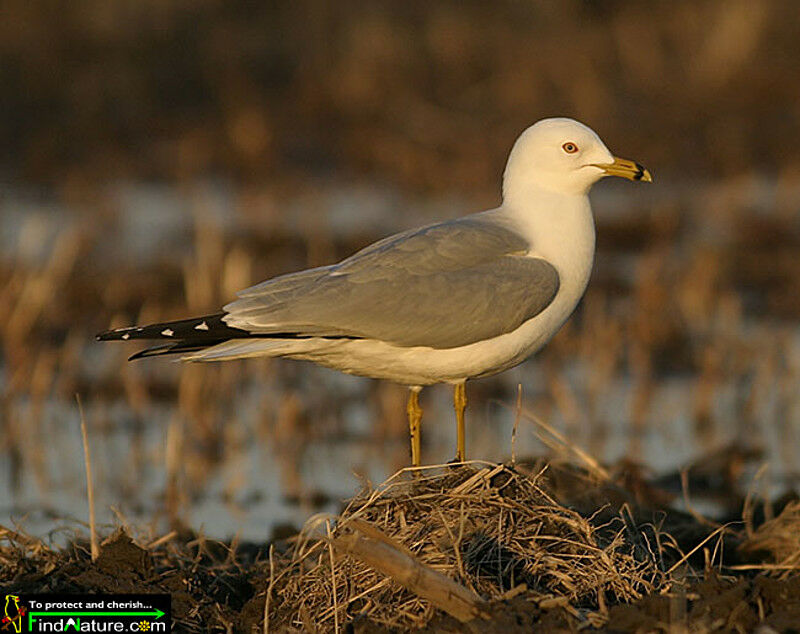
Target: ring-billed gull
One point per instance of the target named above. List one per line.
(443, 303)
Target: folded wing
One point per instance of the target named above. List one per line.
(441, 286)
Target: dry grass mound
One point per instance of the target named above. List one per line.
(778, 541)
(454, 538)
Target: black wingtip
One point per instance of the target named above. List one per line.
(178, 347)
(153, 351)
(117, 334)
(206, 327)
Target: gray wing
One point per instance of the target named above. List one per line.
(442, 286)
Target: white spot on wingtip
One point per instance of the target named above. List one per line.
(126, 336)
(201, 326)
(167, 332)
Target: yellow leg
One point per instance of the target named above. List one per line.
(460, 404)
(414, 425)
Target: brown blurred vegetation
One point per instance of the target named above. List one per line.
(425, 95)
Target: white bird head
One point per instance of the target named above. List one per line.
(563, 156)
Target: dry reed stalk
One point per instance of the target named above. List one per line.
(41, 286)
(89, 482)
(687, 502)
(174, 460)
(419, 579)
(600, 344)
(517, 414)
(686, 556)
(558, 442)
(749, 502)
(161, 540)
(270, 586)
(41, 379)
(289, 440)
(237, 272)
(333, 578)
(202, 270)
(567, 403)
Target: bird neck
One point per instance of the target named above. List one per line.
(559, 228)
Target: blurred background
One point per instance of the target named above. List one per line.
(158, 155)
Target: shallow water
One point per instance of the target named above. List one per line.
(245, 493)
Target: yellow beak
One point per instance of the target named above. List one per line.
(626, 169)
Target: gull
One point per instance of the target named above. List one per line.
(450, 301)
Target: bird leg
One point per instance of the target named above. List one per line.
(414, 425)
(460, 404)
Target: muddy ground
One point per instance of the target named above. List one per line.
(606, 551)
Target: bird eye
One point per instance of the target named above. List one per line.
(569, 147)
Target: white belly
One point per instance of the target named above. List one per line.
(426, 366)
